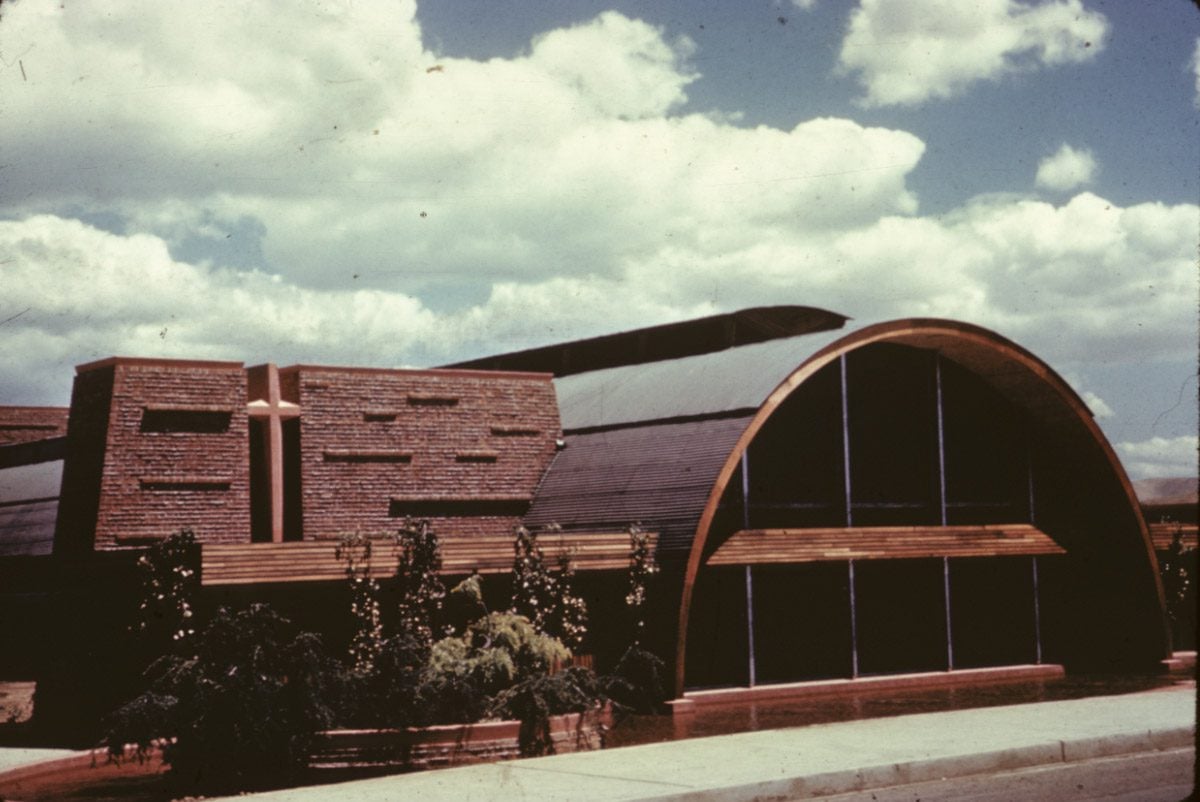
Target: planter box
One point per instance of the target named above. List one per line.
(451, 744)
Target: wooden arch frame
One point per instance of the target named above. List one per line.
(1042, 393)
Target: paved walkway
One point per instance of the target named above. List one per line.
(810, 761)
(15, 758)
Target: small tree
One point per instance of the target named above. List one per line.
(547, 599)
(367, 640)
(534, 591)
(569, 622)
(419, 583)
(167, 573)
(642, 568)
(636, 681)
(1178, 572)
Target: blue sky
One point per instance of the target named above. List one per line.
(391, 183)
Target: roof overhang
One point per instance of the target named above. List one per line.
(316, 560)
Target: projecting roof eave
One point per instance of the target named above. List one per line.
(668, 341)
(741, 380)
(736, 380)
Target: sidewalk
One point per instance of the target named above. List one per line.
(811, 761)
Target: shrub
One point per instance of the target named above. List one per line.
(169, 583)
(499, 649)
(535, 699)
(418, 581)
(636, 682)
(242, 708)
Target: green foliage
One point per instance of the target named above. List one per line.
(418, 581)
(568, 619)
(535, 699)
(242, 707)
(390, 694)
(533, 588)
(636, 682)
(545, 598)
(464, 604)
(1178, 572)
(367, 639)
(496, 652)
(169, 583)
(642, 568)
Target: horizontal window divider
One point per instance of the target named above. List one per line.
(185, 483)
(432, 400)
(480, 455)
(367, 455)
(502, 430)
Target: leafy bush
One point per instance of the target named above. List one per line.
(169, 583)
(242, 708)
(496, 652)
(535, 699)
(636, 682)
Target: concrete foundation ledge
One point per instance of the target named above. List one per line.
(1180, 663)
(845, 687)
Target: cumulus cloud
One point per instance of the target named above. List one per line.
(1195, 65)
(1097, 405)
(1067, 169)
(1160, 457)
(905, 52)
(355, 197)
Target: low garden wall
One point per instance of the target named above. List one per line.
(452, 744)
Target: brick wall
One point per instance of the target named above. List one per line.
(83, 469)
(465, 449)
(174, 444)
(26, 424)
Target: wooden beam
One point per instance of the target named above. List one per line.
(789, 546)
(315, 561)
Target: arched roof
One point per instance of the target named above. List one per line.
(659, 442)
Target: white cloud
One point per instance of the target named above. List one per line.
(1067, 169)
(404, 169)
(1097, 404)
(1160, 457)
(905, 52)
(1195, 65)
(805, 5)
(402, 207)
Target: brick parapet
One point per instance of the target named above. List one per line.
(172, 438)
(27, 424)
(378, 444)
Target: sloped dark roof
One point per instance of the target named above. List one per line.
(27, 528)
(28, 508)
(667, 341)
(645, 443)
(658, 474)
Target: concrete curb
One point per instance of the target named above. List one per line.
(915, 771)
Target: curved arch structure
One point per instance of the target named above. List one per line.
(1029, 384)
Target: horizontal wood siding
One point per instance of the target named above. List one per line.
(763, 546)
(1163, 533)
(314, 560)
